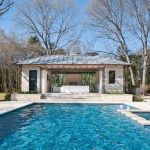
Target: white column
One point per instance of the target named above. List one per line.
(24, 80)
(43, 81)
(100, 81)
(49, 82)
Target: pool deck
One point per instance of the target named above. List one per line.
(8, 106)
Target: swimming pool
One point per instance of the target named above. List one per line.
(145, 115)
(71, 126)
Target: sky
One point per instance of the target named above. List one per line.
(7, 24)
(7, 21)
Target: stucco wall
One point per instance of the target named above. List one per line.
(25, 77)
(119, 79)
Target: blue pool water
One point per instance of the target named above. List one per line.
(145, 115)
(71, 127)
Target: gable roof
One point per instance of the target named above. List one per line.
(73, 59)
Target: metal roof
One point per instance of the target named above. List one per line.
(73, 59)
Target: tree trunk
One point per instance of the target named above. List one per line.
(132, 76)
(144, 73)
(131, 71)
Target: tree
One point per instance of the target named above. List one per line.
(51, 21)
(107, 18)
(5, 6)
(92, 53)
(33, 40)
(10, 52)
(148, 70)
(13, 50)
(139, 26)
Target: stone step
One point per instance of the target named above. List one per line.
(71, 96)
(72, 99)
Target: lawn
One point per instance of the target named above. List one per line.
(2, 96)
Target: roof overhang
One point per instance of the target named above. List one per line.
(73, 66)
(73, 60)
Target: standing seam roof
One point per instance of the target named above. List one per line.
(73, 59)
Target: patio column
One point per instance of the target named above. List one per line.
(100, 81)
(43, 81)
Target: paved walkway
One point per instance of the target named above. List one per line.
(139, 105)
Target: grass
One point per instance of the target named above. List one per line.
(2, 96)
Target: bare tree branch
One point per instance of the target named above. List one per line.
(5, 6)
(52, 21)
(139, 26)
(108, 18)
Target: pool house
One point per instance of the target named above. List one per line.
(73, 74)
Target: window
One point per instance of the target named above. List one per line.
(111, 77)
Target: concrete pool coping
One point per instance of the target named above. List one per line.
(9, 106)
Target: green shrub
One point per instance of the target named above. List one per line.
(137, 98)
(8, 97)
(114, 92)
(2, 96)
(148, 91)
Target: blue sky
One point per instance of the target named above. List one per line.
(7, 24)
